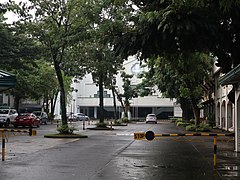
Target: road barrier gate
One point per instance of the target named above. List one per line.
(150, 135)
(30, 132)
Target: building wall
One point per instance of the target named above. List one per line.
(85, 97)
(237, 121)
(224, 108)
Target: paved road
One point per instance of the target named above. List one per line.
(114, 155)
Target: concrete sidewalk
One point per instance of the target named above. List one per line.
(18, 144)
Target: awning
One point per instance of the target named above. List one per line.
(7, 80)
(232, 77)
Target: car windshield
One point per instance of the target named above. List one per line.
(151, 115)
(4, 111)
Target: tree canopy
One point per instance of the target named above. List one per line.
(183, 26)
(59, 26)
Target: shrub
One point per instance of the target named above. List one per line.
(118, 121)
(191, 127)
(125, 119)
(184, 124)
(204, 127)
(192, 121)
(65, 129)
(50, 116)
(178, 120)
(103, 125)
(211, 120)
(201, 128)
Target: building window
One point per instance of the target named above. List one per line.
(105, 95)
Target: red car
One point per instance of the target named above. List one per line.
(26, 119)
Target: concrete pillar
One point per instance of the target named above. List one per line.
(237, 121)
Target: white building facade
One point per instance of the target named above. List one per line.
(85, 98)
(228, 106)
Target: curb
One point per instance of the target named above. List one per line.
(101, 128)
(65, 136)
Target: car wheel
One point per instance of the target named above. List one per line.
(38, 125)
(15, 126)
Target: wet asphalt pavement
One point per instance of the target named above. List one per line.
(115, 155)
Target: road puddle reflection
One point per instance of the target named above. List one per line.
(229, 170)
(232, 168)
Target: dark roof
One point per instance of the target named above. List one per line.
(7, 80)
(232, 77)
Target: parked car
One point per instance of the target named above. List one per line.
(77, 117)
(42, 116)
(151, 118)
(26, 119)
(81, 117)
(7, 116)
(71, 117)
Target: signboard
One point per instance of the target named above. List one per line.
(139, 136)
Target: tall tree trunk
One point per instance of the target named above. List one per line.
(127, 107)
(120, 100)
(101, 99)
(196, 112)
(62, 92)
(187, 111)
(53, 103)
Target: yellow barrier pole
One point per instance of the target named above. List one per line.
(3, 145)
(215, 152)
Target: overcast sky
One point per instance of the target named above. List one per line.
(9, 15)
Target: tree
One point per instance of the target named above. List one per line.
(181, 76)
(103, 65)
(129, 92)
(25, 76)
(46, 85)
(17, 44)
(162, 75)
(182, 28)
(59, 26)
